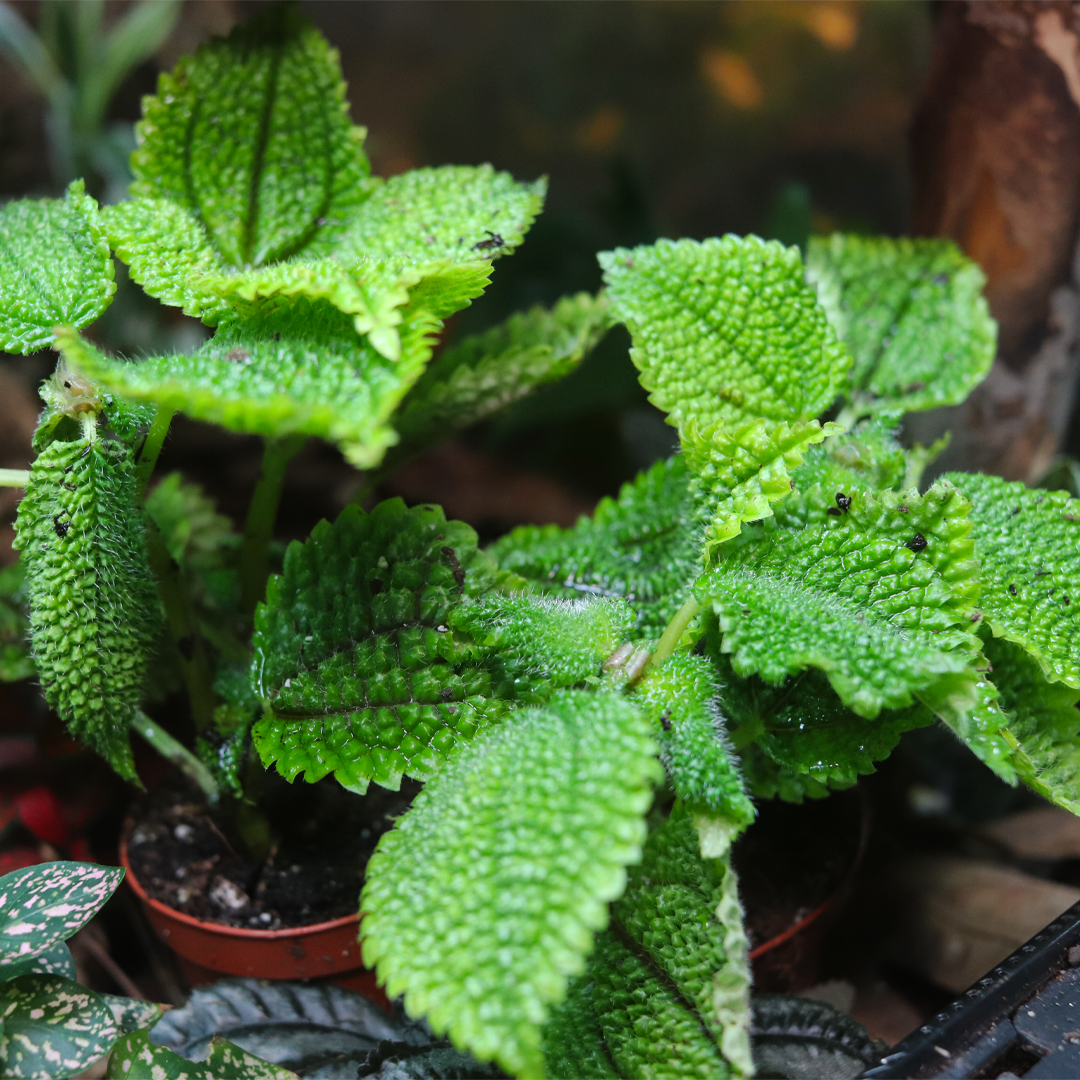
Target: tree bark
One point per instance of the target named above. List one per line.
(995, 145)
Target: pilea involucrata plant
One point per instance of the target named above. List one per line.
(592, 710)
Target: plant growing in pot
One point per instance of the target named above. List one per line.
(591, 711)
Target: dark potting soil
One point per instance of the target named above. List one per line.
(324, 836)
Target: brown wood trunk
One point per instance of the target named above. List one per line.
(995, 147)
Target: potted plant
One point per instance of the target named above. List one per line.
(591, 711)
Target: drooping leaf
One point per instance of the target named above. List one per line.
(135, 1056)
(56, 960)
(484, 898)
(131, 1014)
(747, 468)
(913, 314)
(487, 372)
(1028, 545)
(52, 1027)
(55, 268)
(645, 546)
(680, 697)
(726, 330)
(251, 136)
(356, 658)
(41, 906)
(879, 597)
(312, 376)
(15, 660)
(94, 610)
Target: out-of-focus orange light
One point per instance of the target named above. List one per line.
(733, 78)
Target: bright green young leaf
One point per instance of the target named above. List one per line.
(489, 371)
(135, 1057)
(646, 547)
(1028, 545)
(55, 268)
(251, 136)
(52, 1027)
(746, 468)
(94, 610)
(484, 898)
(356, 657)
(868, 457)
(726, 329)
(44, 905)
(680, 697)
(15, 660)
(879, 597)
(912, 313)
(318, 378)
(56, 960)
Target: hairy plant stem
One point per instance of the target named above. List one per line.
(194, 661)
(174, 751)
(14, 477)
(673, 632)
(262, 513)
(151, 448)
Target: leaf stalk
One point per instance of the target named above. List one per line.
(673, 632)
(174, 751)
(151, 448)
(14, 477)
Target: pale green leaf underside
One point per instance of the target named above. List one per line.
(322, 380)
(726, 329)
(747, 468)
(847, 595)
(55, 268)
(644, 547)
(484, 898)
(356, 657)
(1028, 545)
(912, 313)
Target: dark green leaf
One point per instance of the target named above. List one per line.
(135, 1057)
(56, 960)
(15, 660)
(130, 1014)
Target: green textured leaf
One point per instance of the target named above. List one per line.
(15, 660)
(192, 529)
(317, 378)
(556, 642)
(489, 371)
(1028, 545)
(680, 697)
(135, 1057)
(747, 469)
(867, 456)
(362, 673)
(130, 1014)
(251, 136)
(645, 546)
(55, 960)
(55, 267)
(44, 905)
(94, 609)
(484, 898)
(574, 1047)
(726, 329)
(879, 597)
(52, 1027)
(913, 314)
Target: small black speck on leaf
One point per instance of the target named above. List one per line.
(1012, 590)
(1015, 512)
(1040, 572)
(832, 511)
(493, 241)
(446, 693)
(665, 721)
(61, 527)
(975, 616)
(917, 543)
(903, 509)
(843, 501)
(1065, 599)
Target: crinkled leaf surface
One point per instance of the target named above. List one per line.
(361, 670)
(1028, 545)
(913, 314)
(44, 905)
(747, 468)
(312, 376)
(574, 1044)
(726, 329)
(681, 697)
(879, 597)
(15, 661)
(489, 371)
(484, 898)
(52, 1027)
(868, 456)
(645, 546)
(55, 268)
(135, 1057)
(94, 610)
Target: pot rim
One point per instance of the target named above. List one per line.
(220, 928)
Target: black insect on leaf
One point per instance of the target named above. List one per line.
(917, 543)
(843, 501)
(492, 243)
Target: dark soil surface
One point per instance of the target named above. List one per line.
(186, 857)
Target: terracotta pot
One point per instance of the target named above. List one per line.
(326, 950)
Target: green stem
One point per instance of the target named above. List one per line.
(847, 417)
(673, 632)
(177, 753)
(255, 552)
(14, 477)
(194, 662)
(155, 438)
